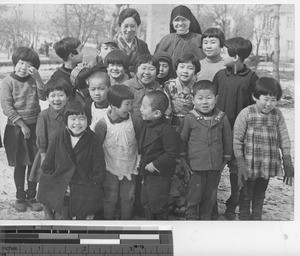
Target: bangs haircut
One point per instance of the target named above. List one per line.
(204, 85)
(117, 57)
(58, 84)
(214, 32)
(66, 46)
(147, 59)
(76, 107)
(117, 93)
(189, 58)
(26, 54)
(98, 75)
(158, 101)
(238, 46)
(267, 86)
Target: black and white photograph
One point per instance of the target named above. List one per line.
(138, 113)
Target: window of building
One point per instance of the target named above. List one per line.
(290, 22)
(290, 45)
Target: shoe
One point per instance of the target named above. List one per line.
(34, 205)
(20, 205)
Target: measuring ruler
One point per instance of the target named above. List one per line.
(86, 240)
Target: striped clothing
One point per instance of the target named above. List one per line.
(257, 138)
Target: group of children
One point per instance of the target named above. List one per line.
(110, 142)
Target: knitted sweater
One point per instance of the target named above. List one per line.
(20, 99)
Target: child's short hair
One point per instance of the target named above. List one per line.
(158, 101)
(116, 94)
(26, 54)
(66, 46)
(204, 85)
(146, 58)
(107, 41)
(79, 75)
(214, 32)
(267, 86)
(98, 75)
(117, 57)
(238, 46)
(58, 84)
(189, 58)
(76, 107)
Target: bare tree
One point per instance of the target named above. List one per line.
(276, 42)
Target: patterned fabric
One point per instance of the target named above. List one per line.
(258, 137)
(131, 51)
(181, 99)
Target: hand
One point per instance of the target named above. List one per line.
(34, 73)
(187, 170)
(26, 131)
(288, 170)
(242, 172)
(150, 167)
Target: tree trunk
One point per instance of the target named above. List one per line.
(276, 56)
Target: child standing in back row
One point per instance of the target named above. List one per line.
(260, 142)
(235, 86)
(20, 94)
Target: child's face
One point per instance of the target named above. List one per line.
(98, 90)
(124, 110)
(185, 72)
(57, 99)
(211, 47)
(205, 101)
(105, 49)
(146, 73)
(78, 58)
(115, 70)
(146, 109)
(22, 68)
(163, 69)
(181, 25)
(228, 60)
(266, 103)
(77, 123)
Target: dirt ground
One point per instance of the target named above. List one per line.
(279, 200)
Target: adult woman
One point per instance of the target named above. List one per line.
(129, 20)
(184, 37)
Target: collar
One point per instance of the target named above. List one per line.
(77, 135)
(152, 86)
(20, 79)
(229, 71)
(155, 122)
(189, 85)
(100, 105)
(55, 114)
(214, 61)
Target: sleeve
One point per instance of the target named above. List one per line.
(7, 101)
(216, 82)
(41, 94)
(170, 141)
(162, 45)
(227, 139)
(239, 132)
(48, 165)
(184, 131)
(283, 135)
(41, 133)
(101, 129)
(99, 167)
(253, 80)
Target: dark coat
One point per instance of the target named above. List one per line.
(82, 168)
(159, 143)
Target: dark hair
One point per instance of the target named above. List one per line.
(58, 84)
(158, 101)
(204, 85)
(76, 107)
(66, 46)
(116, 94)
(117, 57)
(99, 75)
(186, 58)
(110, 43)
(238, 46)
(214, 32)
(129, 12)
(267, 86)
(146, 58)
(164, 57)
(26, 54)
